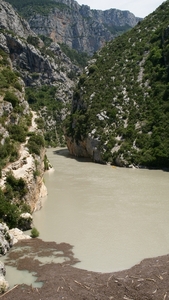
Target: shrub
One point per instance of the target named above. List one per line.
(34, 232)
(4, 58)
(33, 40)
(17, 133)
(9, 212)
(92, 69)
(18, 86)
(11, 97)
(15, 187)
(47, 164)
(35, 143)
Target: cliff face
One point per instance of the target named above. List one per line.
(29, 55)
(77, 26)
(15, 113)
(9, 20)
(26, 62)
(81, 28)
(37, 64)
(120, 106)
(24, 164)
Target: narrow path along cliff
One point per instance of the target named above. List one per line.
(24, 168)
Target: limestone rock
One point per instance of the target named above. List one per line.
(3, 283)
(6, 240)
(18, 235)
(10, 20)
(80, 27)
(86, 148)
(2, 269)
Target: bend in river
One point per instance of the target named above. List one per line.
(114, 217)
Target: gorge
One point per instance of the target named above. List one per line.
(111, 108)
(113, 218)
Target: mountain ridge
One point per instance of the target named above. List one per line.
(79, 27)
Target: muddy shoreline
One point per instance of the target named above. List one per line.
(146, 280)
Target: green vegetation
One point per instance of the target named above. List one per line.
(40, 97)
(15, 188)
(47, 164)
(17, 130)
(44, 100)
(4, 60)
(34, 233)
(8, 153)
(118, 30)
(11, 201)
(77, 58)
(17, 133)
(35, 143)
(122, 100)
(7, 76)
(47, 41)
(14, 124)
(33, 40)
(27, 7)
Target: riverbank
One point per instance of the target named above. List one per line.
(147, 280)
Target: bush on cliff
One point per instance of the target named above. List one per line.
(15, 188)
(35, 143)
(9, 213)
(11, 201)
(10, 97)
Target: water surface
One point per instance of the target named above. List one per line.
(114, 217)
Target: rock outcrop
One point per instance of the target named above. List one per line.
(6, 240)
(78, 26)
(86, 148)
(36, 66)
(3, 283)
(18, 235)
(10, 20)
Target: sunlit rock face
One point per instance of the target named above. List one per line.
(80, 27)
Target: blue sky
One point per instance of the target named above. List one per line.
(140, 8)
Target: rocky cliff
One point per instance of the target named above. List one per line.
(120, 106)
(28, 55)
(16, 159)
(27, 62)
(37, 64)
(79, 27)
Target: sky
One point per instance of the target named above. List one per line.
(140, 8)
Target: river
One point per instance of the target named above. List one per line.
(114, 217)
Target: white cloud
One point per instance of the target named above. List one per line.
(139, 8)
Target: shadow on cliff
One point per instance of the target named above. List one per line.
(65, 152)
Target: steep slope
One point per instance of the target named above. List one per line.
(47, 72)
(22, 152)
(120, 110)
(79, 27)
